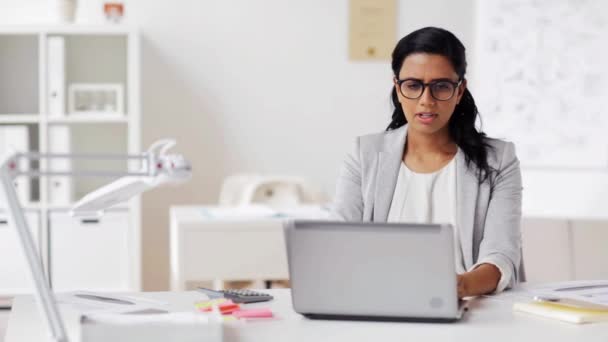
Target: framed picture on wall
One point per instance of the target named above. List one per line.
(87, 99)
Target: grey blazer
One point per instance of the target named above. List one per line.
(488, 215)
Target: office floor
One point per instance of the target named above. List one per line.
(3, 322)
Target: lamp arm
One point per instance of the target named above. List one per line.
(46, 299)
(146, 159)
(162, 146)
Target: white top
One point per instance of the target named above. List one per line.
(431, 198)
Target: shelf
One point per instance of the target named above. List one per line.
(35, 118)
(33, 206)
(67, 29)
(53, 207)
(26, 207)
(120, 207)
(88, 119)
(19, 118)
(99, 54)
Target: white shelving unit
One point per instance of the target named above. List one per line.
(77, 254)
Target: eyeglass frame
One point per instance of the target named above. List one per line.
(399, 82)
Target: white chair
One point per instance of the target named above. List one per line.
(276, 192)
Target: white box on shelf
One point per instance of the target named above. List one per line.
(15, 138)
(56, 76)
(96, 99)
(60, 187)
(14, 276)
(89, 254)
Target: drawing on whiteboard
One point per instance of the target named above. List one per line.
(542, 79)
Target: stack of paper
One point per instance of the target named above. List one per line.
(574, 302)
(562, 312)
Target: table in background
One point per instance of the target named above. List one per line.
(238, 244)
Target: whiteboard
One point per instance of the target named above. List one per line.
(542, 79)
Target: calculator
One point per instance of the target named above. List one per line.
(243, 296)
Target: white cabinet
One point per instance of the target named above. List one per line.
(38, 65)
(561, 250)
(89, 253)
(14, 272)
(590, 249)
(547, 251)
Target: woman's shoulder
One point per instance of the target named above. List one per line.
(381, 141)
(499, 151)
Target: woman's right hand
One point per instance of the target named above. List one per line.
(461, 286)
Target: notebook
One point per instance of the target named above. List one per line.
(570, 314)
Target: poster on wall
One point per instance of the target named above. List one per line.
(372, 29)
(542, 80)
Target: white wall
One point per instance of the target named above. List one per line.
(266, 86)
(261, 86)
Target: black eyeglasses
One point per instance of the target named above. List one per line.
(441, 90)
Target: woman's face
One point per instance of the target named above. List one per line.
(427, 114)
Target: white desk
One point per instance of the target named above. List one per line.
(490, 319)
(204, 248)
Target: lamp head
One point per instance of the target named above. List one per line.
(162, 169)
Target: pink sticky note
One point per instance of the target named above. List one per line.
(253, 313)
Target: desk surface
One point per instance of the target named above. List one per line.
(490, 319)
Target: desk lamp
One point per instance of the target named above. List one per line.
(158, 168)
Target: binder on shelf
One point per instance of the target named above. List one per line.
(56, 76)
(15, 138)
(14, 275)
(60, 187)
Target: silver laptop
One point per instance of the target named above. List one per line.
(372, 271)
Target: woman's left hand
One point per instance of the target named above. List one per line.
(482, 280)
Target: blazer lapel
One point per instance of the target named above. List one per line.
(467, 187)
(389, 162)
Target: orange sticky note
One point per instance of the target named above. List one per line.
(225, 306)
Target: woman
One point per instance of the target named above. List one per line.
(433, 166)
